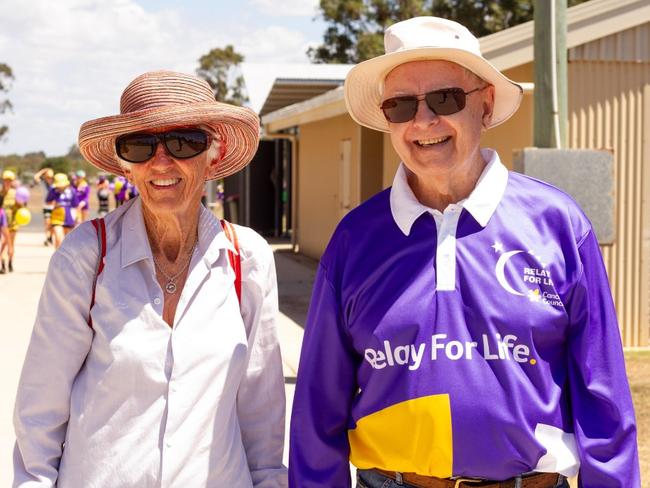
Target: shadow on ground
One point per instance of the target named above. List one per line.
(296, 274)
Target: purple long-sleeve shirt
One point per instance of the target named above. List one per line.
(478, 342)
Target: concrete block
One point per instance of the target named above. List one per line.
(587, 175)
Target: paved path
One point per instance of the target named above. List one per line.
(19, 293)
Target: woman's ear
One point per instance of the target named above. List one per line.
(216, 155)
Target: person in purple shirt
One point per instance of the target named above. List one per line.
(462, 330)
(82, 188)
(120, 191)
(65, 203)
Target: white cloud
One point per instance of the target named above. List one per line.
(274, 43)
(72, 59)
(291, 8)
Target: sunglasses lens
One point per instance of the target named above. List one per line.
(401, 109)
(446, 102)
(184, 144)
(136, 148)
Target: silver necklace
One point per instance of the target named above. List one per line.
(170, 286)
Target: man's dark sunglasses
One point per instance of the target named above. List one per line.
(179, 143)
(441, 102)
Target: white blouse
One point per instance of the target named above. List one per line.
(135, 402)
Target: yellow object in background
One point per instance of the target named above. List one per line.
(23, 216)
(58, 216)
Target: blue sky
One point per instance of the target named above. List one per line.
(72, 58)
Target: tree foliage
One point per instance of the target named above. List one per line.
(355, 28)
(60, 164)
(30, 163)
(219, 68)
(6, 75)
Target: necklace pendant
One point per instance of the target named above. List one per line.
(170, 287)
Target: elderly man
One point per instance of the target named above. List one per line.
(461, 331)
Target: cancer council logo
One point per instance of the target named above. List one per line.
(525, 274)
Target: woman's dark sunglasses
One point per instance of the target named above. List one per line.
(441, 102)
(179, 143)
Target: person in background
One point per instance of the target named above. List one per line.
(9, 204)
(65, 203)
(461, 331)
(132, 191)
(82, 188)
(45, 177)
(120, 191)
(103, 195)
(4, 233)
(167, 372)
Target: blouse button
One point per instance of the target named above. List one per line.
(156, 301)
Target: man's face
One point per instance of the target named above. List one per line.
(433, 145)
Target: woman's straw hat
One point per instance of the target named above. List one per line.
(161, 99)
(419, 39)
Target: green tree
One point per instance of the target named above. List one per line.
(219, 68)
(6, 75)
(355, 28)
(59, 164)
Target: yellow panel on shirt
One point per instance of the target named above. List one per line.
(410, 437)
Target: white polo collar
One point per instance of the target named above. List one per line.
(481, 203)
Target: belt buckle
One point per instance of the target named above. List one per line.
(458, 481)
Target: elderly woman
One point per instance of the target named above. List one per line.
(158, 363)
(462, 331)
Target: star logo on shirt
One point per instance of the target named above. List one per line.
(497, 246)
(534, 296)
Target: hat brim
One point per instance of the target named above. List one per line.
(364, 83)
(236, 127)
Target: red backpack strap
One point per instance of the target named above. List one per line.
(235, 259)
(100, 228)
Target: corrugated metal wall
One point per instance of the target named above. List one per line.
(607, 79)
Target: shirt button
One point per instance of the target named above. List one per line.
(156, 301)
(168, 443)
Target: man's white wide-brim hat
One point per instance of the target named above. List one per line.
(418, 39)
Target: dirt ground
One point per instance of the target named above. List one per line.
(638, 372)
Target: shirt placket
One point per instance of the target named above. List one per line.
(175, 403)
(169, 444)
(446, 224)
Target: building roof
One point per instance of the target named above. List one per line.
(273, 86)
(585, 23)
(506, 49)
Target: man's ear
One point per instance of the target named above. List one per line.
(488, 106)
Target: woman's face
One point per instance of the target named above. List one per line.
(169, 185)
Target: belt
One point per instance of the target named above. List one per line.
(541, 480)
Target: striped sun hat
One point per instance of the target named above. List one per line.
(166, 99)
